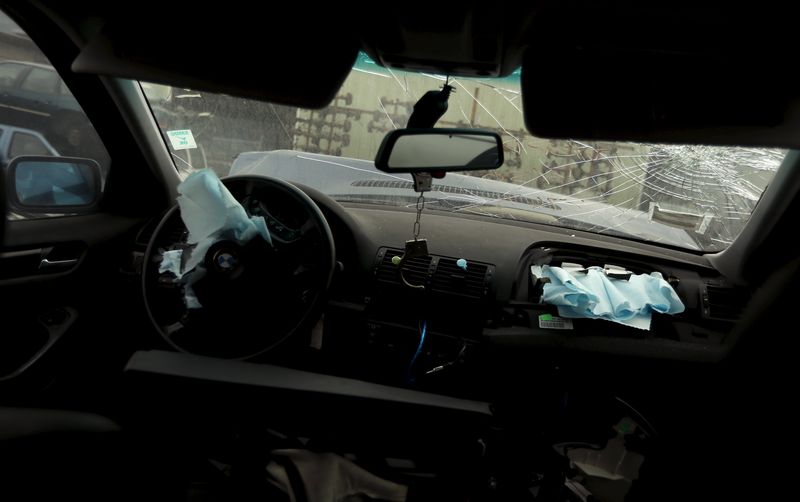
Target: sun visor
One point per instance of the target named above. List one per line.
(253, 58)
(665, 82)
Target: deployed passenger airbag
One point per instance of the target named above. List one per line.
(593, 294)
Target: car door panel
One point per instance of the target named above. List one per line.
(53, 273)
(68, 283)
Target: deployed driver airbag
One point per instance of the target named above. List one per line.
(211, 214)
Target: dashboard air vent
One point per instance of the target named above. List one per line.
(451, 279)
(723, 302)
(439, 274)
(415, 271)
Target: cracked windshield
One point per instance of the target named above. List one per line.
(693, 197)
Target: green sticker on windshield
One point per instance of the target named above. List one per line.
(181, 139)
(545, 317)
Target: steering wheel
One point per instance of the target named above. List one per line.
(253, 296)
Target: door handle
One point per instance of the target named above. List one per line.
(45, 263)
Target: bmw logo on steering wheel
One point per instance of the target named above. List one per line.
(226, 261)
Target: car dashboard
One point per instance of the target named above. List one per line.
(479, 319)
(491, 369)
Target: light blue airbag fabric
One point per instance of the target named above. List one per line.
(171, 262)
(594, 295)
(211, 214)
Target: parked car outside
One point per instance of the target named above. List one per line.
(33, 96)
(17, 141)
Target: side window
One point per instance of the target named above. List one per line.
(23, 143)
(9, 73)
(38, 113)
(40, 80)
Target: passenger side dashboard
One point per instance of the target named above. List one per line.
(375, 331)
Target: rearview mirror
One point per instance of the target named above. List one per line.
(426, 150)
(53, 184)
